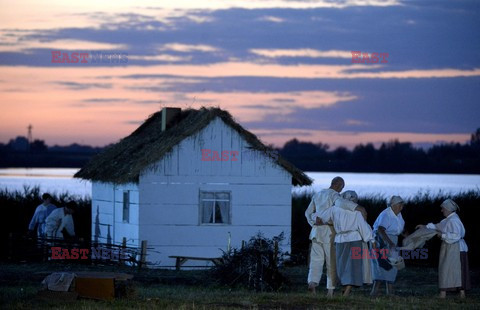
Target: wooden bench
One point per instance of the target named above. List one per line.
(180, 260)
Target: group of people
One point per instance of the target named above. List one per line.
(51, 222)
(340, 238)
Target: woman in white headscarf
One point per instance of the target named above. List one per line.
(453, 271)
(387, 227)
(352, 235)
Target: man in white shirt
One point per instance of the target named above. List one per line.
(59, 224)
(322, 235)
(41, 214)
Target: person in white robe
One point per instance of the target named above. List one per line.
(387, 227)
(41, 214)
(453, 270)
(351, 236)
(321, 236)
(59, 224)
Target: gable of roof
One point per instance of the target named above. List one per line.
(124, 161)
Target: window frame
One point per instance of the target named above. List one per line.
(126, 206)
(201, 209)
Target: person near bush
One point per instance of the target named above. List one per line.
(387, 227)
(352, 233)
(321, 236)
(453, 270)
(59, 224)
(41, 214)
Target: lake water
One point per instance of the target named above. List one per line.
(52, 180)
(59, 180)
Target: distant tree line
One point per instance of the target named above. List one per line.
(393, 156)
(19, 152)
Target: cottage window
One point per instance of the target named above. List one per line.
(126, 206)
(215, 207)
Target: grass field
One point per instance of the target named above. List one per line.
(416, 289)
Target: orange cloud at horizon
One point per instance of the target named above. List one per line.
(99, 105)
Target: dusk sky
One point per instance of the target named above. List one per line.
(283, 69)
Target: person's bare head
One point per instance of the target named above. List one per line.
(337, 184)
(70, 207)
(47, 198)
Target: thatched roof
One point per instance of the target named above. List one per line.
(124, 161)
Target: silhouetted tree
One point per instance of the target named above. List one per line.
(364, 158)
(341, 153)
(38, 146)
(475, 138)
(306, 155)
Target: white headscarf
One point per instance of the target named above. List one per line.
(450, 205)
(395, 200)
(350, 195)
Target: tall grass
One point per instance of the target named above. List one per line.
(19, 206)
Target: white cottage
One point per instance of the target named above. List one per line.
(190, 183)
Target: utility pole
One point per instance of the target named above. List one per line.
(30, 138)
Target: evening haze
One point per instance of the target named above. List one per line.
(283, 69)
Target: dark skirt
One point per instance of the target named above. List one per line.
(349, 269)
(465, 271)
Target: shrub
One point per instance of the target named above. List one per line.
(255, 266)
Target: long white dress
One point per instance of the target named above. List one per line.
(351, 234)
(393, 225)
(450, 272)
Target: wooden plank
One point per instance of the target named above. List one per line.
(206, 235)
(130, 231)
(180, 260)
(160, 254)
(102, 206)
(261, 194)
(195, 257)
(187, 194)
(117, 276)
(218, 137)
(133, 192)
(131, 242)
(133, 213)
(170, 162)
(275, 215)
(169, 193)
(102, 219)
(183, 214)
(143, 253)
(179, 214)
(102, 191)
(200, 179)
